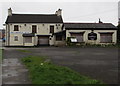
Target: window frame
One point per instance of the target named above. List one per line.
(76, 35)
(52, 31)
(111, 34)
(16, 27)
(59, 37)
(34, 30)
(15, 38)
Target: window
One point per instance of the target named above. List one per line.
(16, 28)
(106, 37)
(79, 36)
(51, 29)
(28, 39)
(58, 37)
(34, 29)
(16, 38)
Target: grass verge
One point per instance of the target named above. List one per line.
(42, 71)
(25, 51)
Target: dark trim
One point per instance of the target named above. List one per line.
(60, 33)
(77, 32)
(91, 28)
(16, 46)
(28, 35)
(43, 35)
(107, 42)
(43, 45)
(106, 32)
(36, 22)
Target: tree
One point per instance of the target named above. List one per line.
(118, 34)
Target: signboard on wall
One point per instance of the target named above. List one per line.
(73, 40)
(92, 36)
(18, 32)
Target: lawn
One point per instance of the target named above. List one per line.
(25, 51)
(43, 71)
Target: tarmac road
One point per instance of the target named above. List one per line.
(0, 64)
(97, 63)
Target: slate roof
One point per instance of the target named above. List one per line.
(89, 26)
(34, 18)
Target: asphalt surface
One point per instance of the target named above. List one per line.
(0, 64)
(14, 72)
(97, 63)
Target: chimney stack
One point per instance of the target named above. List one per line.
(9, 12)
(100, 21)
(119, 21)
(59, 12)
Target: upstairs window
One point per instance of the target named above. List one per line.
(51, 29)
(16, 28)
(34, 28)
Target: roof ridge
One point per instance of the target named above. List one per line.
(32, 14)
(84, 23)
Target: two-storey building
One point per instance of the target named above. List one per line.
(32, 29)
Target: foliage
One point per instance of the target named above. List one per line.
(43, 71)
(68, 41)
(118, 34)
(25, 51)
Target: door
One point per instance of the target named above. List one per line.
(43, 40)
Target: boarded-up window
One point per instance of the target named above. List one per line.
(105, 37)
(52, 29)
(16, 28)
(78, 36)
(34, 29)
(16, 38)
(28, 39)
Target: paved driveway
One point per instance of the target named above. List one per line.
(97, 63)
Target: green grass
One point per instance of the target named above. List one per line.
(25, 51)
(43, 71)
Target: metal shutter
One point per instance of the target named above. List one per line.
(43, 40)
(28, 39)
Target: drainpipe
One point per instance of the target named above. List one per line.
(34, 39)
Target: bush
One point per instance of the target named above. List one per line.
(68, 41)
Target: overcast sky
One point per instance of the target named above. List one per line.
(72, 11)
